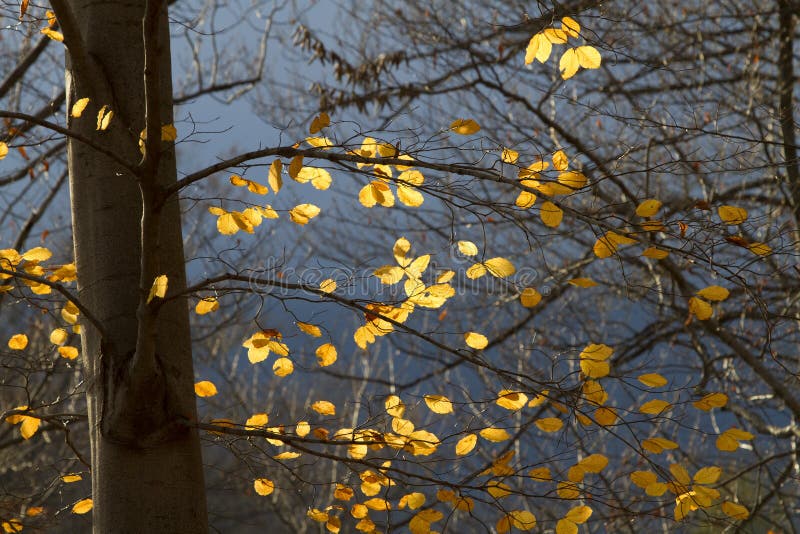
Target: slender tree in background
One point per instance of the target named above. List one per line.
(552, 282)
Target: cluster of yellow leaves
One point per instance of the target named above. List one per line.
(378, 192)
(260, 344)
(28, 423)
(729, 439)
(593, 360)
(699, 305)
(417, 293)
(541, 45)
(30, 263)
(230, 222)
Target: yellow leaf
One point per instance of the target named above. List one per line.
(317, 515)
(707, 475)
(169, 132)
(3, 150)
(104, 118)
(565, 526)
(18, 342)
(52, 34)
(560, 160)
(283, 367)
(494, 434)
(319, 178)
(583, 282)
(310, 329)
(412, 500)
(439, 404)
(82, 506)
(159, 288)
(522, 519)
(327, 286)
(680, 474)
(760, 249)
(525, 200)
(579, 514)
(499, 267)
(319, 142)
(551, 214)
(376, 503)
(206, 305)
(569, 64)
(549, 424)
(530, 297)
(714, 293)
(466, 444)
(68, 352)
(649, 207)
(655, 253)
(555, 35)
(735, 511)
(78, 107)
(326, 355)
(596, 352)
(540, 474)
(710, 401)
(643, 478)
(539, 48)
(511, 400)
(288, 455)
(658, 445)
(588, 57)
(394, 406)
(320, 121)
(72, 477)
(509, 155)
(324, 407)
(568, 490)
(594, 463)
(476, 340)
(303, 213)
(605, 416)
(205, 389)
(263, 486)
(409, 196)
(574, 180)
(732, 215)
(275, 179)
(571, 27)
(294, 166)
(464, 126)
(302, 429)
(29, 426)
(739, 434)
(653, 380)
(252, 186)
(476, 271)
(655, 406)
(700, 308)
(256, 421)
(467, 248)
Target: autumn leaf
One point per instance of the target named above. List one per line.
(159, 288)
(78, 107)
(18, 342)
(263, 486)
(464, 126)
(205, 389)
(475, 340)
(439, 404)
(466, 444)
(82, 506)
(326, 355)
(732, 215)
(324, 407)
(303, 213)
(206, 305)
(539, 48)
(320, 121)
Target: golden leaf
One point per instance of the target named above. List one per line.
(464, 126)
(263, 486)
(205, 389)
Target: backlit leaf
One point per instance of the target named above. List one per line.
(83, 506)
(707, 475)
(466, 444)
(735, 511)
(551, 214)
(326, 355)
(649, 207)
(18, 342)
(205, 389)
(439, 404)
(263, 486)
(467, 248)
(588, 57)
(303, 213)
(68, 352)
(530, 297)
(539, 48)
(655, 406)
(522, 519)
(464, 126)
(655, 253)
(500, 267)
(579, 514)
(324, 407)
(653, 380)
(54, 35)
(476, 340)
(511, 400)
(569, 64)
(583, 282)
(571, 27)
(732, 215)
(104, 118)
(549, 424)
(159, 288)
(206, 305)
(283, 367)
(394, 406)
(495, 434)
(78, 107)
(700, 308)
(509, 156)
(310, 329)
(320, 121)
(710, 401)
(714, 293)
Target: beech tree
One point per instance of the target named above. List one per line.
(551, 283)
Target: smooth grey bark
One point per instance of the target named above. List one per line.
(145, 454)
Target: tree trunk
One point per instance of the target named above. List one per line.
(146, 463)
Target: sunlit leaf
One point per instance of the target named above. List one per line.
(303, 213)
(263, 486)
(658, 445)
(511, 400)
(464, 126)
(653, 380)
(649, 207)
(500, 267)
(72, 477)
(83, 506)
(551, 214)
(569, 64)
(710, 401)
(549, 424)
(324, 407)
(655, 253)
(594, 463)
(206, 305)
(467, 248)
(700, 308)
(539, 48)
(571, 27)
(326, 355)
(78, 107)
(732, 215)
(439, 404)
(735, 511)
(104, 118)
(320, 121)
(283, 367)
(707, 475)
(522, 519)
(54, 35)
(579, 514)
(205, 389)
(714, 293)
(68, 352)
(466, 444)
(18, 342)
(319, 178)
(476, 340)
(760, 249)
(495, 434)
